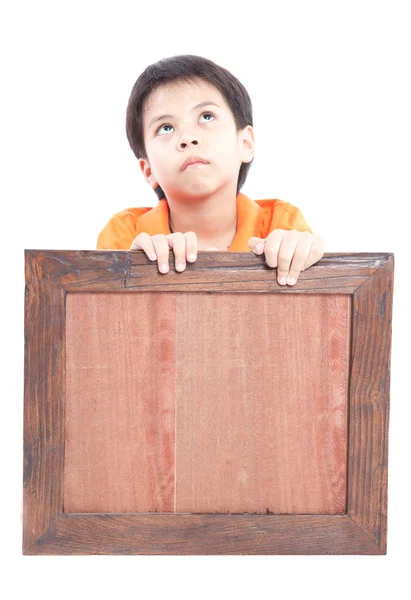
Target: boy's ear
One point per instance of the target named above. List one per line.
(148, 175)
(248, 144)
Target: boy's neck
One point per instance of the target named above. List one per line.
(213, 219)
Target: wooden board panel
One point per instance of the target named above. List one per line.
(201, 402)
(262, 403)
(53, 278)
(120, 403)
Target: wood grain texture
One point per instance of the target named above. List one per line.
(44, 372)
(366, 279)
(261, 397)
(175, 404)
(173, 534)
(120, 403)
(367, 494)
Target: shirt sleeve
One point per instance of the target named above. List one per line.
(288, 216)
(117, 234)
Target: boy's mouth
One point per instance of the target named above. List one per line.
(197, 164)
(192, 161)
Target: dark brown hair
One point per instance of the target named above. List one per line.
(186, 67)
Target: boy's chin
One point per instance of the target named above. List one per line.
(193, 192)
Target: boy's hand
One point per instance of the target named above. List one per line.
(291, 251)
(157, 247)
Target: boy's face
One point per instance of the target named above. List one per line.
(206, 131)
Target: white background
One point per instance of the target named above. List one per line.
(330, 86)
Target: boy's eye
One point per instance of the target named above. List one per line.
(207, 113)
(168, 125)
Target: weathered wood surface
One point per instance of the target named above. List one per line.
(367, 279)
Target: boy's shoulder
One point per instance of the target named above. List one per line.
(120, 230)
(274, 203)
(133, 212)
(275, 207)
(279, 214)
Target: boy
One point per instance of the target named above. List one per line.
(189, 123)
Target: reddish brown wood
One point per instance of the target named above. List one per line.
(370, 403)
(120, 403)
(173, 404)
(261, 410)
(366, 280)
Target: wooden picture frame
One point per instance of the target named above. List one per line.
(365, 278)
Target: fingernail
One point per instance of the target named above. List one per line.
(282, 280)
(181, 266)
(153, 256)
(192, 256)
(164, 268)
(258, 247)
(291, 281)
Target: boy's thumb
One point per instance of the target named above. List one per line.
(253, 241)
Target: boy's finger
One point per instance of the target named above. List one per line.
(256, 244)
(191, 245)
(162, 246)
(299, 259)
(177, 242)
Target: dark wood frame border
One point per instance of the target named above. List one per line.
(49, 275)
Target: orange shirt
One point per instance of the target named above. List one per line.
(255, 218)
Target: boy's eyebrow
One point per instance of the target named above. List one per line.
(171, 116)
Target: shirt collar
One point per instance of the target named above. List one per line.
(249, 221)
